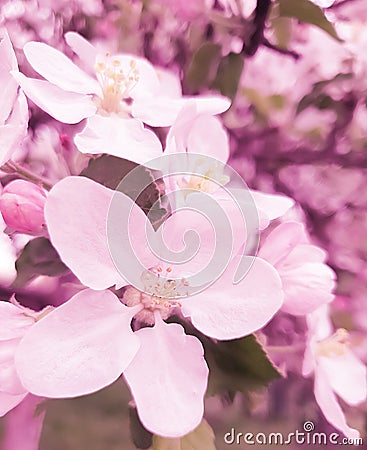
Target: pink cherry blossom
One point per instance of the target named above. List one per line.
(203, 134)
(307, 281)
(13, 104)
(28, 418)
(69, 95)
(92, 263)
(7, 256)
(90, 341)
(189, 9)
(22, 204)
(16, 322)
(337, 371)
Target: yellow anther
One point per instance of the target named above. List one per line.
(100, 66)
(335, 345)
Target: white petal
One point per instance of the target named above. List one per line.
(58, 69)
(168, 379)
(67, 107)
(125, 138)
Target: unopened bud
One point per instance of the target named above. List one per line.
(22, 206)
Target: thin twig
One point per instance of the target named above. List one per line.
(256, 39)
(26, 174)
(283, 51)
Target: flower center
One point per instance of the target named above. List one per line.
(160, 294)
(116, 82)
(204, 183)
(335, 345)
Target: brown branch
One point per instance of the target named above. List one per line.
(257, 37)
(280, 50)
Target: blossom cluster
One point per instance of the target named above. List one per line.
(179, 181)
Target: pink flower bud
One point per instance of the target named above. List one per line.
(22, 206)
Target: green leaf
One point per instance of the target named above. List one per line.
(238, 365)
(202, 68)
(202, 438)
(162, 443)
(307, 12)
(282, 27)
(229, 74)
(110, 171)
(142, 438)
(38, 258)
(264, 104)
(318, 98)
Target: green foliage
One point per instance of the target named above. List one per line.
(307, 12)
(318, 98)
(264, 104)
(229, 74)
(38, 257)
(201, 438)
(239, 365)
(203, 67)
(208, 69)
(110, 171)
(282, 27)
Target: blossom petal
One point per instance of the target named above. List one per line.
(14, 323)
(8, 257)
(67, 107)
(83, 48)
(28, 418)
(58, 69)
(211, 104)
(330, 407)
(125, 138)
(168, 379)
(346, 375)
(14, 130)
(78, 348)
(9, 86)
(198, 133)
(228, 311)
(307, 287)
(208, 137)
(302, 253)
(9, 380)
(9, 401)
(148, 81)
(162, 112)
(319, 324)
(78, 207)
(281, 241)
(273, 205)
(157, 111)
(169, 83)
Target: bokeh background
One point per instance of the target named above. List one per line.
(296, 72)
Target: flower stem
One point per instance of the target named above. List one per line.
(26, 174)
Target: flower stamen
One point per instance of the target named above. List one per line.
(335, 345)
(116, 83)
(160, 294)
